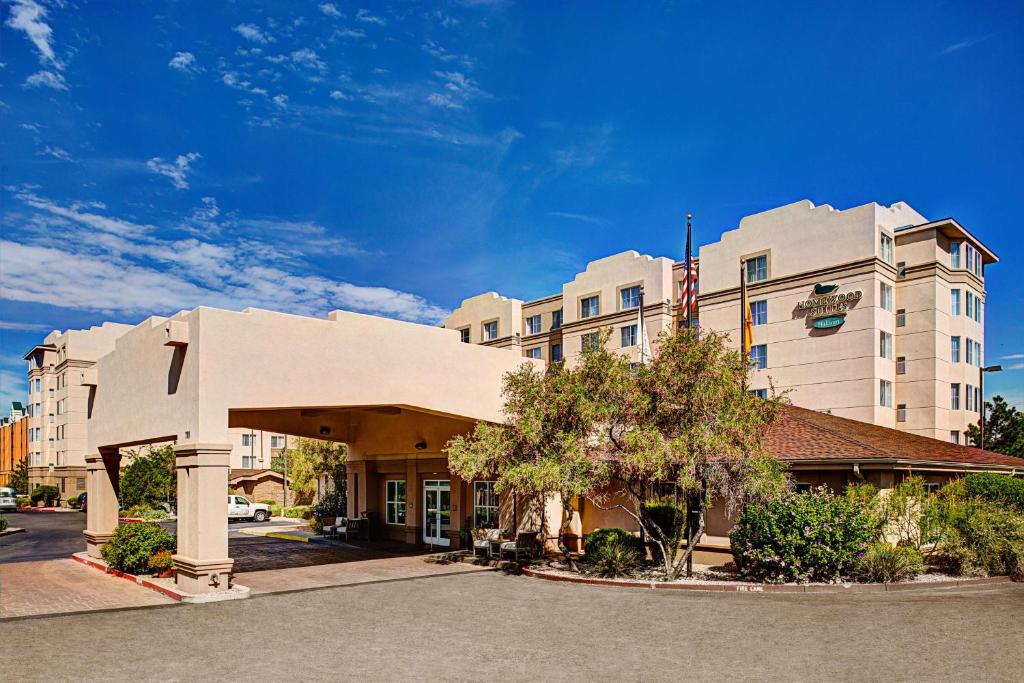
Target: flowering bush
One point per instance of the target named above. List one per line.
(132, 545)
(815, 536)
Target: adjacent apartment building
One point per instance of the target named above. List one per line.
(61, 379)
(872, 313)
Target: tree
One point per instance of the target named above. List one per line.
(685, 419)
(1004, 429)
(308, 460)
(150, 478)
(19, 478)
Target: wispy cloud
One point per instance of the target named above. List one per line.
(176, 170)
(964, 44)
(1014, 366)
(184, 62)
(56, 153)
(253, 33)
(28, 16)
(1013, 356)
(23, 327)
(46, 79)
(581, 217)
(75, 213)
(364, 16)
(330, 10)
(338, 95)
(587, 152)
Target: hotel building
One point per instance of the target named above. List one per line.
(871, 313)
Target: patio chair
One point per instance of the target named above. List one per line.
(482, 539)
(525, 544)
(329, 526)
(341, 528)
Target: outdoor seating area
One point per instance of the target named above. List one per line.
(344, 527)
(491, 544)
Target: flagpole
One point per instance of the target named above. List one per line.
(687, 307)
(743, 318)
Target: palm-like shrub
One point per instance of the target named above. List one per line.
(883, 563)
(615, 558)
(596, 541)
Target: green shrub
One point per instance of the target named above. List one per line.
(994, 488)
(596, 540)
(45, 493)
(299, 512)
(275, 510)
(269, 501)
(73, 503)
(160, 561)
(883, 563)
(149, 478)
(136, 511)
(984, 538)
(133, 544)
(669, 516)
(3, 523)
(24, 501)
(615, 558)
(815, 536)
(154, 515)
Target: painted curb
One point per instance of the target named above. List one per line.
(237, 592)
(12, 530)
(770, 587)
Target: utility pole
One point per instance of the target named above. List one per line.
(981, 391)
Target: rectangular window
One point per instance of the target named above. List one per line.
(759, 312)
(277, 442)
(590, 306)
(248, 462)
(589, 342)
(977, 309)
(954, 349)
(979, 267)
(901, 412)
(977, 354)
(80, 483)
(533, 353)
(628, 336)
(247, 440)
(51, 418)
(970, 305)
(954, 254)
(969, 392)
(759, 356)
(629, 297)
(39, 386)
(968, 257)
(954, 301)
(885, 345)
(760, 393)
(886, 248)
(954, 396)
(954, 437)
(885, 393)
(395, 505)
(556, 353)
(901, 270)
(491, 330)
(556, 319)
(901, 365)
(970, 351)
(757, 268)
(977, 399)
(464, 335)
(533, 324)
(485, 505)
(885, 296)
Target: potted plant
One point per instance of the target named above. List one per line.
(161, 564)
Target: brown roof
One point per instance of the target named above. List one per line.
(245, 473)
(803, 434)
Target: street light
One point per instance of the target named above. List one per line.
(981, 390)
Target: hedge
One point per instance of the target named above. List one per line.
(996, 488)
(596, 541)
(131, 546)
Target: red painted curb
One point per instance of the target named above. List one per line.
(769, 587)
(125, 520)
(37, 510)
(146, 583)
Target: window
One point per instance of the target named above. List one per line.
(50, 418)
(969, 391)
(885, 393)
(395, 505)
(629, 297)
(977, 400)
(50, 393)
(533, 353)
(277, 442)
(39, 386)
(533, 324)
(901, 365)
(760, 393)
(248, 440)
(901, 412)
(801, 487)
(628, 334)
(759, 356)
(901, 270)
(979, 268)
(491, 330)
(590, 306)
(970, 351)
(759, 312)
(885, 296)
(977, 310)
(485, 505)
(464, 335)
(954, 349)
(80, 483)
(954, 254)
(886, 248)
(954, 396)
(954, 301)
(977, 354)
(248, 462)
(954, 437)
(556, 319)
(589, 342)
(556, 353)
(885, 345)
(970, 305)
(757, 268)
(969, 257)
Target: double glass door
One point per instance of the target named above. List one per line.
(437, 511)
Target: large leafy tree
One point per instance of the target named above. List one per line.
(1004, 428)
(150, 478)
(309, 459)
(684, 419)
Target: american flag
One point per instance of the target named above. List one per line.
(688, 290)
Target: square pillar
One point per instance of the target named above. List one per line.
(102, 474)
(202, 557)
(458, 513)
(413, 514)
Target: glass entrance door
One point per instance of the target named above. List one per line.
(437, 511)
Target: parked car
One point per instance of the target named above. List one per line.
(8, 499)
(240, 507)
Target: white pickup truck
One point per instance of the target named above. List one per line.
(240, 507)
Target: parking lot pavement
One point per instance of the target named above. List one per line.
(48, 536)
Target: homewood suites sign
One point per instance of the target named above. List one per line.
(827, 307)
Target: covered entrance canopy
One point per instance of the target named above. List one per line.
(394, 392)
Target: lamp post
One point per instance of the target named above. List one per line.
(981, 390)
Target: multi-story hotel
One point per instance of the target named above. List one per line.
(61, 376)
(873, 313)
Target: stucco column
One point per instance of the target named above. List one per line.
(413, 514)
(202, 559)
(102, 477)
(458, 512)
(355, 472)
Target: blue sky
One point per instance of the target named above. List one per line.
(395, 159)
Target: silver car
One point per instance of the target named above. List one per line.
(8, 499)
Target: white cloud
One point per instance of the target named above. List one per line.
(964, 44)
(176, 170)
(443, 101)
(330, 10)
(434, 49)
(74, 213)
(27, 16)
(231, 80)
(338, 95)
(23, 327)
(1014, 366)
(252, 32)
(350, 33)
(308, 58)
(281, 100)
(365, 16)
(1013, 356)
(184, 62)
(56, 153)
(581, 217)
(46, 79)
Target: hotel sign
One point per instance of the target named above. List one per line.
(827, 308)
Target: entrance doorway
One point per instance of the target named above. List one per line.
(437, 511)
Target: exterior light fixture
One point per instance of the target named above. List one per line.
(325, 431)
(421, 445)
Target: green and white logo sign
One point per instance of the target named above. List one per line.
(829, 322)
